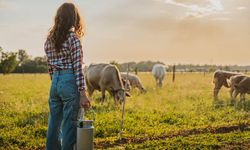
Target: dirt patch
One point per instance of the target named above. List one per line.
(183, 133)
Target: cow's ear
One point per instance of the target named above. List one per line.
(128, 94)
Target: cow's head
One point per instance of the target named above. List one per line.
(119, 95)
(143, 90)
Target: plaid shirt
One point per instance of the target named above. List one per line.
(69, 57)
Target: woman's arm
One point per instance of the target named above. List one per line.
(77, 60)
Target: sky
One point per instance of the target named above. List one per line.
(171, 31)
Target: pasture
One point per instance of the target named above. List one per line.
(180, 115)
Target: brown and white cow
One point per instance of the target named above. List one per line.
(240, 84)
(220, 79)
(105, 77)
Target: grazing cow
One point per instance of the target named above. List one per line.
(134, 81)
(105, 77)
(240, 84)
(158, 72)
(220, 79)
(128, 86)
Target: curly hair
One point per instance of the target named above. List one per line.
(67, 16)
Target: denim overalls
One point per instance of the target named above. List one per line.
(64, 105)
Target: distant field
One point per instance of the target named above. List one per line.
(181, 115)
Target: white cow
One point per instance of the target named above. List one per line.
(158, 72)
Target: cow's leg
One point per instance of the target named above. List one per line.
(242, 97)
(113, 95)
(115, 100)
(235, 94)
(160, 83)
(231, 92)
(156, 80)
(103, 95)
(90, 91)
(217, 88)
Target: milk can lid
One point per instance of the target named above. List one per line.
(85, 123)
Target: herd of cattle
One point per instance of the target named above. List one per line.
(237, 82)
(106, 77)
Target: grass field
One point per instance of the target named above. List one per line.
(181, 115)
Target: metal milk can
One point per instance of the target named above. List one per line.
(85, 133)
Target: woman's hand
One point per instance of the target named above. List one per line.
(84, 100)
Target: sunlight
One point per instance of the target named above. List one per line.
(196, 10)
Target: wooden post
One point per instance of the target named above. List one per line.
(136, 70)
(123, 104)
(173, 73)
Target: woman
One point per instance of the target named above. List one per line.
(67, 92)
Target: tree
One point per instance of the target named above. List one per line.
(22, 56)
(8, 62)
(40, 60)
(136, 70)
(1, 50)
(227, 68)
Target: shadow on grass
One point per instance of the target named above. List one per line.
(219, 104)
(181, 133)
(245, 106)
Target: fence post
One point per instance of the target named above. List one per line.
(173, 73)
(136, 70)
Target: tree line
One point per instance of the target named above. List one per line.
(22, 62)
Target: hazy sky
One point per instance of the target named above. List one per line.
(172, 31)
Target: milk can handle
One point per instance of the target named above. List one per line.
(93, 114)
(82, 112)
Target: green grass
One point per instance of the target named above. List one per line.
(181, 115)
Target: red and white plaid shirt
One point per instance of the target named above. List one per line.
(70, 56)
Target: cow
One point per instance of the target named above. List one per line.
(134, 81)
(220, 79)
(105, 77)
(128, 85)
(158, 72)
(240, 84)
